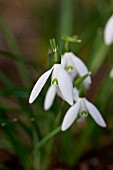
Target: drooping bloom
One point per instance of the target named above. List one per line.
(82, 108)
(59, 78)
(108, 32)
(75, 66)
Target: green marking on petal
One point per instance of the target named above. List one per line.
(55, 81)
(69, 68)
(84, 113)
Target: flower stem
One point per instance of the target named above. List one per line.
(47, 138)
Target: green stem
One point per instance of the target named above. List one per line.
(66, 17)
(47, 138)
(83, 139)
(66, 46)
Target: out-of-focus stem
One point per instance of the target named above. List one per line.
(65, 19)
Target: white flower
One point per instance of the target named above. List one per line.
(59, 78)
(108, 32)
(75, 66)
(51, 93)
(111, 74)
(81, 108)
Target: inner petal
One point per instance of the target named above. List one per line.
(69, 64)
(69, 68)
(83, 110)
(83, 114)
(54, 80)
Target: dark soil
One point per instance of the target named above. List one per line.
(101, 159)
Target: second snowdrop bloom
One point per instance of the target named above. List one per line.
(82, 108)
(75, 66)
(108, 32)
(59, 78)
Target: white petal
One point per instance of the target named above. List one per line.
(76, 94)
(70, 116)
(65, 85)
(59, 92)
(93, 111)
(55, 72)
(64, 60)
(50, 96)
(108, 32)
(72, 75)
(39, 85)
(111, 74)
(81, 68)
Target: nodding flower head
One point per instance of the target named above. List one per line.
(82, 108)
(75, 66)
(59, 78)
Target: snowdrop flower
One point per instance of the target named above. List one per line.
(108, 32)
(59, 78)
(75, 66)
(111, 74)
(81, 108)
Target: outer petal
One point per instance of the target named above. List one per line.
(81, 68)
(50, 96)
(70, 116)
(59, 92)
(93, 111)
(65, 85)
(39, 85)
(108, 32)
(64, 60)
(76, 94)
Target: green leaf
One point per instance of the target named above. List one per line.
(5, 80)
(11, 41)
(16, 92)
(18, 58)
(81, 79)
(17, 144)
